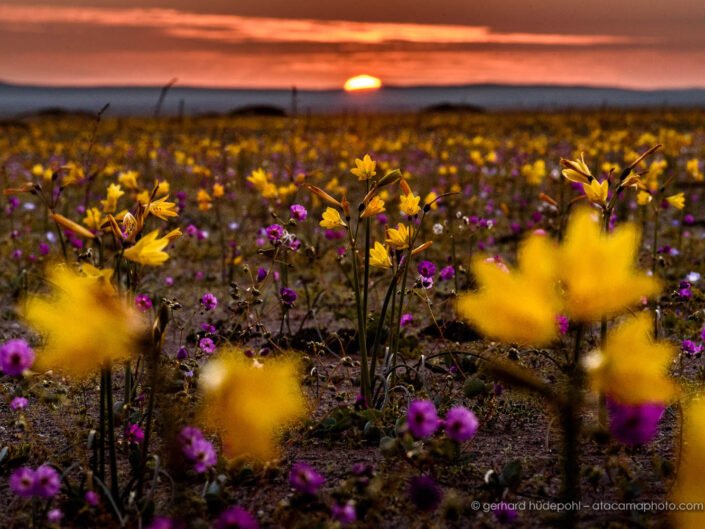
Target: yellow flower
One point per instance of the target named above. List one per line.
(84, 324)
(261, 181)
(596, 192)
(114, 193)
(379, 257)
(331, 219)
(576, 170)
(365, 168)
(677, 201)
(73, 173)
(129, 179)
(409, 204)
(250, 403)
(431, 199)
(693, 169)
(534, 173)
(374, 207)
(516, 306)
(162, 209)
(399, 237)
(148, 250)
(599, 271)
(632, 368)
(93, 218)
(689, 487)
(643, 198)
(204, 200)
(218, 190)
(162, 187)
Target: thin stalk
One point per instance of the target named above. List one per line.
(380, 325)
(361, 328)
(115, 490)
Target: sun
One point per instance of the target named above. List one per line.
(362, 82)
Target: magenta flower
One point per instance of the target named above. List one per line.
(406, 319)
(143, 302)
(207, 345)
(288, 296)
(134, 434)
(203, 455)
(298, 212)
(47, 482)
(461, 424)
(182, 353)
(22, 482)
(54, 516)
(563, 323)
(15, 357)
(427, 269)
(18, 403)
(92, 498)
(344, 513)
(209, 301)
(274, 232)
(304, 479)
(447, 273)
(261, 274)
(422, 419)
(634, 424)
(236, 518)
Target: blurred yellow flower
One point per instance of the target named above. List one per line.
(516, 306)
(331, 219)
(204, 200)
(399, 237)
(365, 168)
(261, 181)
(676, 201)
(379, 257)
(598, 270)
(576, 170)
(693, 169)
(93, 218)
(84, 323)
(114, 193)
(250, 403)
(149, 250)
(218, 190)
(689, 486)
(129, 179)
(374, 207)
(643, 198)
(409, 204)
(597, 192)
(431, 199)
(632, 368)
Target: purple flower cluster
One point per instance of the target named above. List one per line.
(16, 356)
(304, 479)
(422, 419)
(197, 449)
(236, 518)
(44, 482)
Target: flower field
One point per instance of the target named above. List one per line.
(373, 321)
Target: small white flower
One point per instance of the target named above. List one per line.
(438, 228)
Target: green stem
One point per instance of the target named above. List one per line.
(114, 488)
(365, 388)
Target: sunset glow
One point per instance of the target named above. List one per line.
(362, 82)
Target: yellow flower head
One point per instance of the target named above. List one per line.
(84, 323)
(204, 200)
(516, 306)
(598, 269)
(576, 170)
(114, 193)
(676, 201)
(431, 199)
(693, 169)
(399, 237)
(331, 219)
(149, 250)
(643, 198)
(597, 192)
(262, 182)
(129, 179)
(218, 190)
(365, 168)
(379, 257)
(689, 487)
(632, 368)
(409, 204)
(250, 403)
(93, 219)
(374, 207)
(162, 209)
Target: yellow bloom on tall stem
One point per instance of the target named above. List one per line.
(597, 192)
(162, 209)
(129, 179)
(250, 403)
(409, 204)
(676, 201)
(331, 219)
(631, 368)
(690, 487)
(399, 237)
(149, 250)
(84, 323)
(516, 306)
(598, 270)
(365, 168)
(204, 200)
(576, 170)
(114, 193)
(379, 257)
(374, 207)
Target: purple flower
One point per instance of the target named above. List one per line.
(91, 498)
(236, 518)
(209, 301)
(54, 516)
(406, 319)
(143, 302)
(191, 230)
(288, 296)
(688, 220)
(18, 403)
(298, 212)
(208, 327)
(447, 273)
(274, 232)
(134, 434)
(15, 357)
(691, 348)
(22, 482)
(182, 353)
(425, 493)
(563, 323)
(261, 274)
(634, 424)
(207, 345)
(304, 479)
(702, 334)
(422, 418)
(427, 269)
(504, 513)
(187, 436)
(203, 455)
(47, 482)
(44, 248)
(461, 424)
(345, 513)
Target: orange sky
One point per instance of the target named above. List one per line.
(317, 44)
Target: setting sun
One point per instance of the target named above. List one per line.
(362, 82)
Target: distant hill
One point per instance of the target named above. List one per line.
(16, 100)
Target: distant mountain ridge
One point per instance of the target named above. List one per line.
(17, 100)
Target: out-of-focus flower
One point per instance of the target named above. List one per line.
(504, 513)
(409, 204)
(249, 402)
(631, 368)
(274, 232)
(197, 449)
(93, 219)
(597, 192)
(427, 269)
(261, 181)
(54, 516)
(691, 348)
(143, 302)
(399, 237)
(84, 323)
(134, 434)
(379, 257)
(113, 194)
(563, 323)
(18, 403)
(373, 208)
(129, 179)
(576, 170)
(331, 219)
(344, 513)
(447, 273)
(406, 319)
(218, 190)
(425, 493)
(209, 301)
(207, 345)
(22, 481)
(304, 479)
(461, 424)
(288, 296)
(634, 424)
(364, 169)
(422, 419)
(16, 356)
(47, 482)
(689, 482)
(149, 250)
(236, 518)
(298, 212)
(92, 498)
(676, 201)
